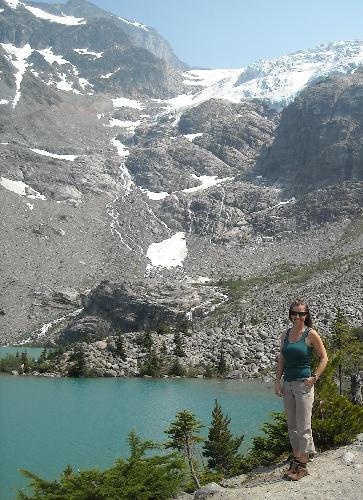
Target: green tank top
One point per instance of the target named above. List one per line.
(297, 357)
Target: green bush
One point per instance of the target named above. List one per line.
(336, 420)
(139, 478)
(177, 369)
(20, 363)
(163, 329)
(270, 447)
(152, 365)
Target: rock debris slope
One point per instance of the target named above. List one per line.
(120, 169)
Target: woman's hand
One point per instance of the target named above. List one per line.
(278, 388)
(309, 382)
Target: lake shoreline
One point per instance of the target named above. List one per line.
(102, 359)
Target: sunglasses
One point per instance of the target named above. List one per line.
(298, 313)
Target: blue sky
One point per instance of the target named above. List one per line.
(236, 33)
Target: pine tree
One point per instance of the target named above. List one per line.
(146, 341)
(120, 347)
(336, 421)
(346, 348)
(163, 348)
(178, 349)
(163, 329)
(183, 433)
(222, 364)
(153, 365)
(177, 369)
(221, 448)
(79, 363)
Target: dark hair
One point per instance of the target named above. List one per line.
(301, 302)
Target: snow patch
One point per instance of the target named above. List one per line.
(191, 137)
(207, 182)
(64, 84)
(50, 57)
(54, 155)
(114, 122)
(42, 14)
(31, 207)
(21, 189)
(63, 19)
(18, 57)
(4, 101)
(155, 196)
(13, 3)
(123, 102)
(121, 148)
(86, 52)
(2, 10)
(168, 253)
(110, 74)
(133, 23)
(84, 83)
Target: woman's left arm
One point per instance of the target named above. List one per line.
(318, 346)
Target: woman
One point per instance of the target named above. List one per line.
(294, 362)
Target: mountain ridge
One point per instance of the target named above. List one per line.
(109, 173)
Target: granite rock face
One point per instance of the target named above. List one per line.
(113, 307)
(319, 139)
(234, 133)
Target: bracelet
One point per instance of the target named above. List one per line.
(316, 377)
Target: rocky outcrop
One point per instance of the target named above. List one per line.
(112, 307)
(234, 133)
(124, 65)
(141, 35)
(319, 139)
(165, 161)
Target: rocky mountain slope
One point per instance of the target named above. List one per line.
(133, 193)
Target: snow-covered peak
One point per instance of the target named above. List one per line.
(276, 80)
(42, 14)
(282, 78)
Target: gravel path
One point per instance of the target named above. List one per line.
(334, 475)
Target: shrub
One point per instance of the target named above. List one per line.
(163, 329)
(336, 420)
(177, 369)
(139, 477)
(271, 447)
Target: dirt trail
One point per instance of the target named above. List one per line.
(335, 475)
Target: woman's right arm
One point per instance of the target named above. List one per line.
(280, 368)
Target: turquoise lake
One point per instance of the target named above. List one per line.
(46, 424)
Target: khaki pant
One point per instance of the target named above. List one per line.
(298, 403)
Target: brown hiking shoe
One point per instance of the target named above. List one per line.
(299, 473)
(291, 469)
